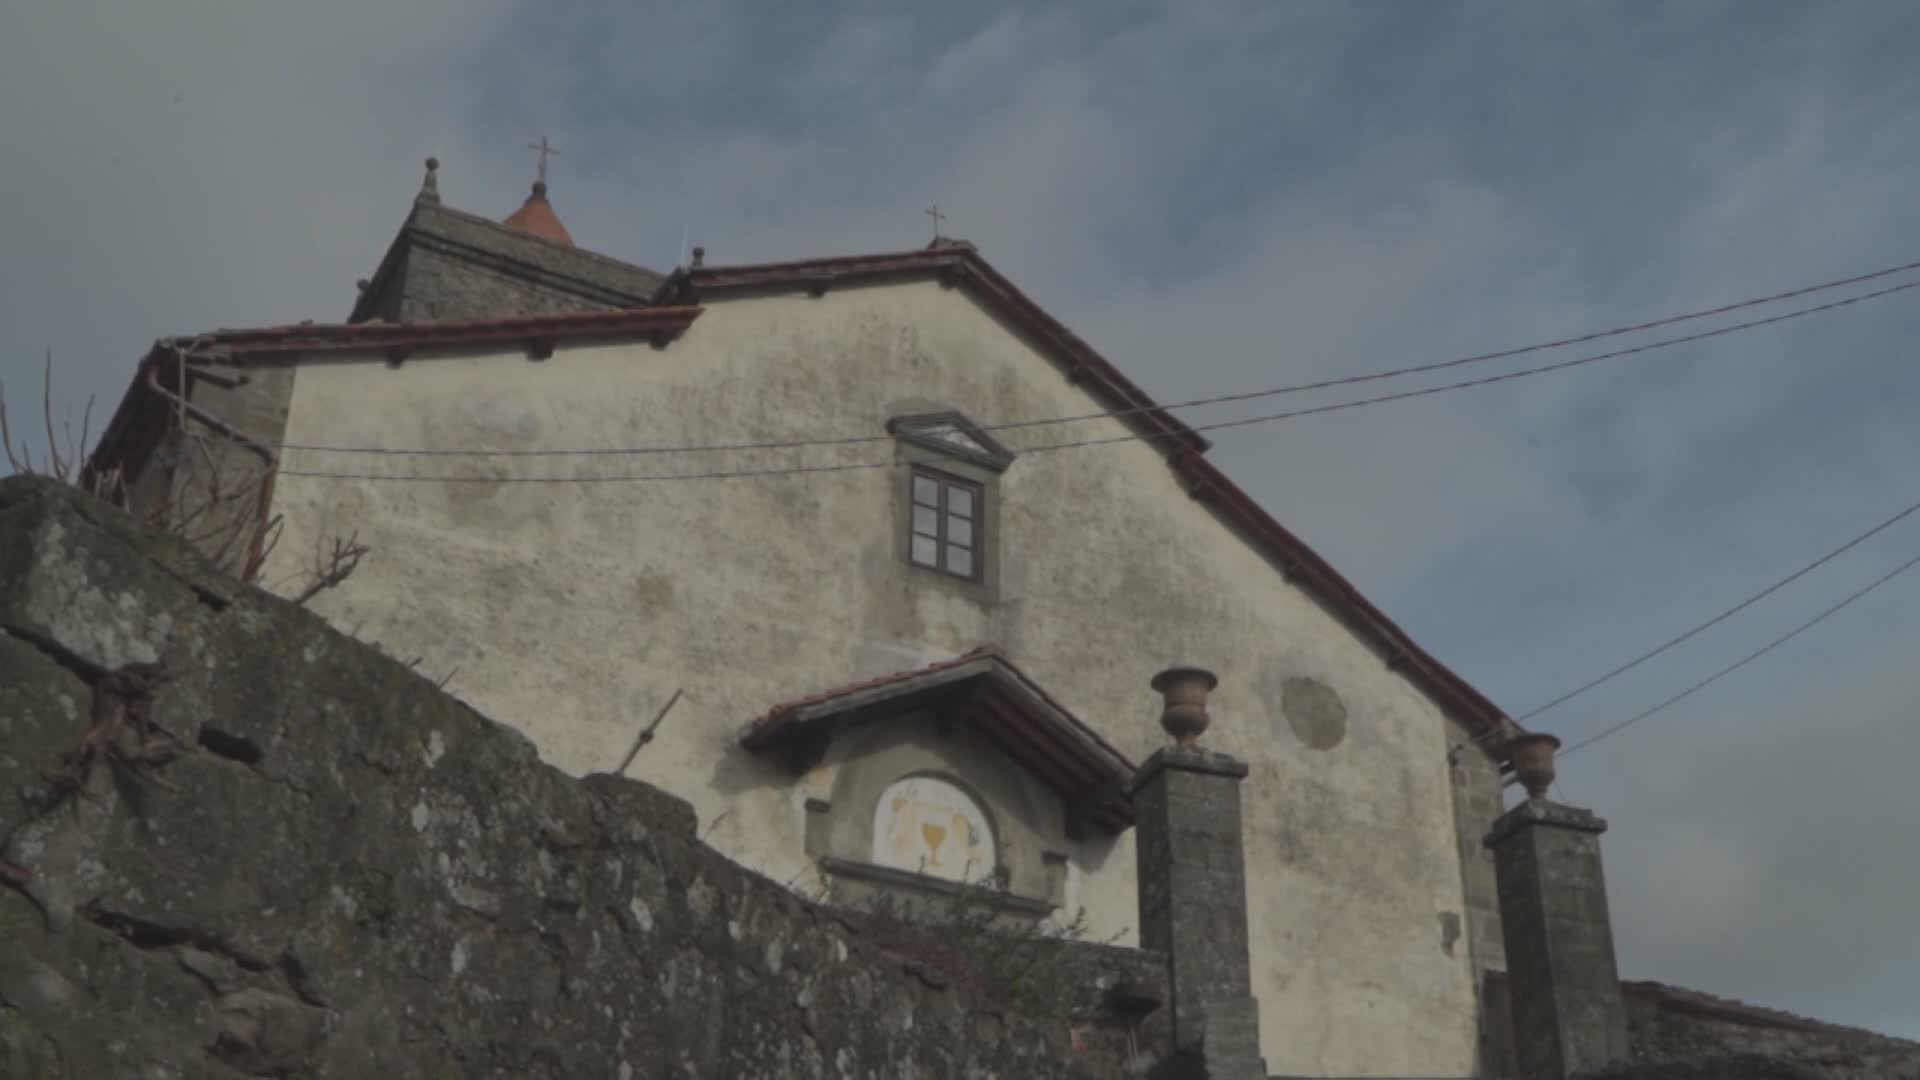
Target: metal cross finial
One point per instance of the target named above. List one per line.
(934, 213)
(545, 152)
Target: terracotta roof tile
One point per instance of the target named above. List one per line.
(536, 217)
(773, 717)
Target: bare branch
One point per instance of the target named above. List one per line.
(339, 564)
(220, 505)
(270, 539)
(58, 468)
(6, 436)
(86, 428)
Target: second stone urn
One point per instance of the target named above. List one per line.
(1185, 691)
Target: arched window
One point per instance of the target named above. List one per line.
(926, 825)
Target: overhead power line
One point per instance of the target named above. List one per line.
(1220, 399)
(1724, 615)
(722, 474)
(1745, 660)
(1404, 395)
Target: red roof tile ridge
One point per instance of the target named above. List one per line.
(874, 683)
(349, 332)
(949, 254)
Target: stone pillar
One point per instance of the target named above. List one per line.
(1568, 1013)
(1193, 887)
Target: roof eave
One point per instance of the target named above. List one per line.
(1053, 743)
(660, 326)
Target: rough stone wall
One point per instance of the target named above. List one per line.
(314, 864)
(1193, 894)
(1566, 1009)
(441, 286)
(586, 270)
(1676, 1034)
(1667, 1023)
(1832, 1066)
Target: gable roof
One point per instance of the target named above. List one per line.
(1003, 703)
(508, 249)
(675, 300)
(960, 265)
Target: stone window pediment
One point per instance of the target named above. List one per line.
(948, 507)
(953, 435)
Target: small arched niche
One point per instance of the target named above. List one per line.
(930, 825)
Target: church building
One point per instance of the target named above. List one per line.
(806, 544)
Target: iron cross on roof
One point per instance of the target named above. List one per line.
(934, 213)
(545, 152)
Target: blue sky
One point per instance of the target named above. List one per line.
(1222, 195)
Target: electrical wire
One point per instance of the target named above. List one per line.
(721, 474)
(1221, 399)
(1404, 395)
(1287, 415)
(1724, 615)
(1743, 661)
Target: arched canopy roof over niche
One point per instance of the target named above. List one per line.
(983, 690)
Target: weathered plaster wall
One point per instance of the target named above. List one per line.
(336, 871)
(575, 610)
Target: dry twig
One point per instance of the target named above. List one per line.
(61, 464)
(339, 563)
(220, 506)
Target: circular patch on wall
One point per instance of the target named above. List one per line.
(1314, 712)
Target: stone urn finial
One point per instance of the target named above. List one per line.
(1185, 689)
(1532, 757)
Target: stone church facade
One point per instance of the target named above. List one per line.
(908, 653)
